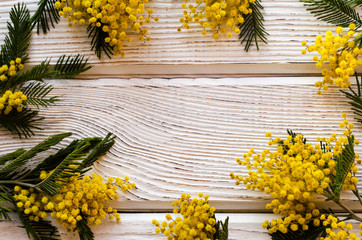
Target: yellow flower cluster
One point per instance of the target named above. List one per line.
(338, 57)
(30, 203)
(218, 15)
(114, 17)
(197, 220)
(293, 175)
(10, 100)
(78, 199)
(9, 71)
(337, 229)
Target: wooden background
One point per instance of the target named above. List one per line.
(183, 107)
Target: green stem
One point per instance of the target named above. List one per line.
(356, 193)
(352, 214)
(14, 182)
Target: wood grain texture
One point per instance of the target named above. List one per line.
(188, 52)
(139, 226)
(176, 136)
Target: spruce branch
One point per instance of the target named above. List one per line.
(98, 42)
(45, 16)
(17, 40)
(252, 29)
(337, 12)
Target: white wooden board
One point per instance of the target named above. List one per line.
(189, 52)
(183, 107)
(183, 135)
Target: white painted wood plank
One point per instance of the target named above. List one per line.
(287, 22)
(183, 135)
(138, 226)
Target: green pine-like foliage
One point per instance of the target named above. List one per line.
(13, 172)
(46, 16)
(313, 233)
(252, 29)
(31, 82)
(337, 12)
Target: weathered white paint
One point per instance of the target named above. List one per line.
(183, 135)
(188, 52)
(138, 226)
(181, 132)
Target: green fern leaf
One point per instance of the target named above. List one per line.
(252, 29)
(42, 230)
(10, 156)
(4, 210)
(20, 123)
(17, 41)
(356, 101)
(36, 93)
(313, 233)
(337, 12)
(51, 162)
(70, 66)
(45, 15)
(355, 3)
(85, 233)
(9, 167)
(344, 163)
(37, 73)
(222, 230)
(63, 171)
(100, 149)
(98, 42)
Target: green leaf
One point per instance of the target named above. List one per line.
(252, 29)
(51, 162)
(313, 233)
(70, 66)
(337, 12)
(356, 101)
(4, 210)
(36, 93)
(100, 149)
(222, 230)
(38, 73)
(354, 3)
(23, 158)
(98, 42)
(64, 171)
(11, 156)
(85, 233)
(42, 230)
(16, 43)
(344, 162)
(20, 123)
(45, 15)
